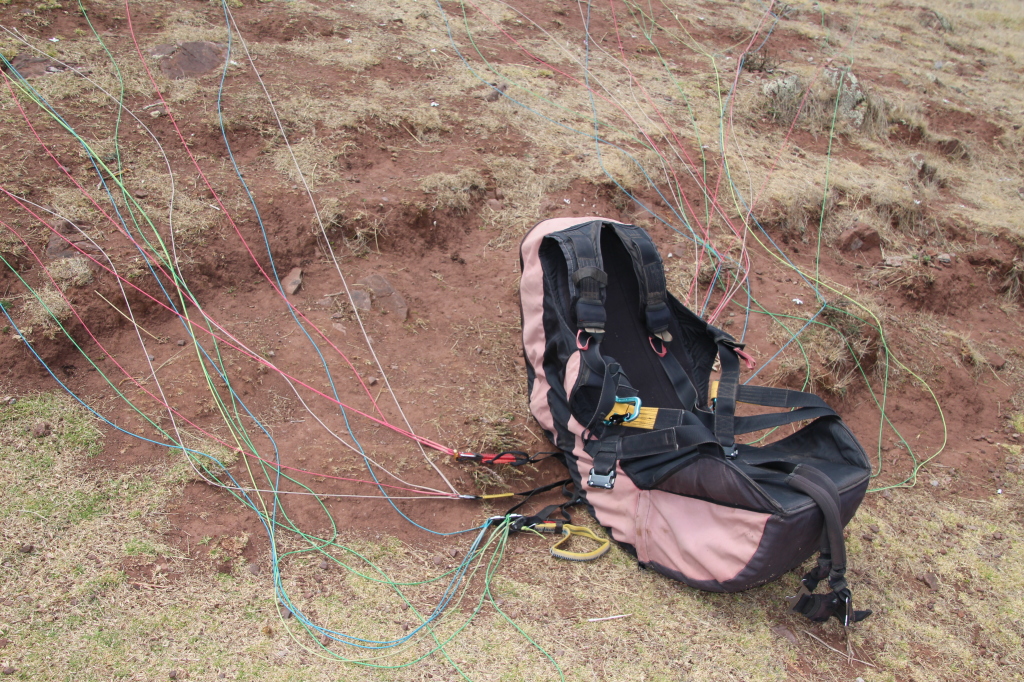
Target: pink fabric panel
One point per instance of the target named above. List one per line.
(531, 292)
(704, 541)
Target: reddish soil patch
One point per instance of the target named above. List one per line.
(456, 360)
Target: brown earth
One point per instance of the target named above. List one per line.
(455, 364)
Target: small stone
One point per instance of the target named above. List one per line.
(4, 642)
(498, 194)
(173, 674)
(785, 633)
(437, 560)
(151, 358)
(887, 494)
(254, 569)
(292, 281)
(338, 326)
(371, 380)
(495, 92)
(271, 354)
(930, 580)
(324, 565)
(286, 613)
(944, 258)
(26, 548)
(157, 113)
(860, 237)
(868, 537)
(454, 552)
(935, 484)
(894, 262)
(224, 568)
(181, 342)
(42, 429)
(874, 529)
(221, 676)
(495, 205)
(337, 316)
(8, 670)
(997, 536)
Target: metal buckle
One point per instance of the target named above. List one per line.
(613, 419)
(599, 481)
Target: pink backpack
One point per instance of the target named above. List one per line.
(619, 376)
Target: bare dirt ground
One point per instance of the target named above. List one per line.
(378, 147)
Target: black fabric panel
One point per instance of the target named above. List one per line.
(625, 335)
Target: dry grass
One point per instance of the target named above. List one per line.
(71, 272)
(69, 606)
(455, 191)
(44, 312)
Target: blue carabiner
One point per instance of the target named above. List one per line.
(635, 402)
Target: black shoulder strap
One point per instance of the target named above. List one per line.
(650, 274)
(581, 245)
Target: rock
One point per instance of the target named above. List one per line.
(437, 560)
(31, 67)
(894, 262)
(173, 675)
(42, 429)
(224, 568)
(337, 316)
(454, 552)
(785, 633)
(325, 564)
(151, 357)
(987, 256)
(868, 537)
(887, 494)
(371, 380)
(271, 354)
(361, 300)
(140, 195)
(931, 580)
(193, 59)
(26, 548)
(339, 327)
(944, 258)
(292, 281)
(500, 196)
(995, 361)
(181, 342)
(254, 569)
(860, 237)
(163, 50)
(874, 529)
(495, 205)
(389, 300)
(4, 642)
(8, 670)
(456, 258)
(997, 536)
(495, 92)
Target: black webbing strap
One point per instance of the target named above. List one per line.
(650, 275)
(613, 449)
(814, 483)
(526, 495)
(730, 392)
(581, 246)
(680, 381)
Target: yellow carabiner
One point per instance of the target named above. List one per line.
(568, 530)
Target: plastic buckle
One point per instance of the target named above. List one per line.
(629, 416)
(731, 452)
(601, 481)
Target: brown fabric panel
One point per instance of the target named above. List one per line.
(711, 478)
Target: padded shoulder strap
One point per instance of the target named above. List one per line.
(581, 245)
(650, 273)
